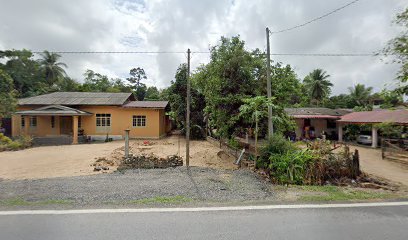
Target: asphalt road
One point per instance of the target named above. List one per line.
(380, 222)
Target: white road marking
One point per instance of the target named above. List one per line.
(200, 209)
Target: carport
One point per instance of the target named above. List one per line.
(398, 117)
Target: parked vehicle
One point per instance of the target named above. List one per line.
(365, 137)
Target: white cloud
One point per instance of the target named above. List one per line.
(175, 25)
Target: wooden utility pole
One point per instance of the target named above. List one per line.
(268, 83)
(188, 111)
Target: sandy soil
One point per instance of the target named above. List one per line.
(76, 160)
(372, 163)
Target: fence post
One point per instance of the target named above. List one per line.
(127, 142)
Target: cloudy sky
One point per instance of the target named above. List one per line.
(175, 25)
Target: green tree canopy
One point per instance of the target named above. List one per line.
(7, 95)
(360, 95)
(318, 85)
(135, 79)
(53, 69)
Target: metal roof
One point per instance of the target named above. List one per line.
(54, 110)
(78, 98)
(379, 116)
(316, 116)
(146, 104)
(313, 112)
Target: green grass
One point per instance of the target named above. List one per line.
(162, 200)
(22, 202)
(333, 193)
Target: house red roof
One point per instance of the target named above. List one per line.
(380, 116)
(316, 116)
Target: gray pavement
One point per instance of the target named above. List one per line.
(381, 222)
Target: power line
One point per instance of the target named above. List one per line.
(314, 19)
(208, 52)
(111, 52)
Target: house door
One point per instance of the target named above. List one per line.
(66, 125)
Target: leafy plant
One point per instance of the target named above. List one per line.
(277, 144)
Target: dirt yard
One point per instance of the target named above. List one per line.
(372, 163)
(76, 160)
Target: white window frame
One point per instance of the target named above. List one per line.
(103, 122)
(139, 121)
(33, 121)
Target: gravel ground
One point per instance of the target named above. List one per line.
(200, 184)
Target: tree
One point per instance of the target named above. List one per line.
(136, 76)
(53, 70)
(25, 71)
(230, 76)
(152, 94)
(96, 82)
(255, 109)
(360, 95)
(318, 85)
(7, 95)
(339, 101)
(398, 47)
(176, 94)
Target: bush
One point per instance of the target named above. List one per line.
(15, 145)
(277, 144)
(290, 167)
(20, 143)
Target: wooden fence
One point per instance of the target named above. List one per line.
(394, 150)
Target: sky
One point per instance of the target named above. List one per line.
(175, 25)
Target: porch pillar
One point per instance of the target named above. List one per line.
(26, 125)
(74, 129)
(340, 132)
(374, 137)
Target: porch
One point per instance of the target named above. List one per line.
(51, 123)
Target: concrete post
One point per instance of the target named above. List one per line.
(340, 133)
(374, 137)
(74, 129)
(127, 142)
(27, 125)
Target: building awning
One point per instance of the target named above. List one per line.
(380, 116)
(315, 117)
(54, 110)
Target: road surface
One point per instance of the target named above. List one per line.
(357, 222)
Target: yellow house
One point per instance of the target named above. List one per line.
(91, 115)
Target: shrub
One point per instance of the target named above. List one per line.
(290, 167)
(233, 143)
(15, 145)
(4, 139)
(277, 144)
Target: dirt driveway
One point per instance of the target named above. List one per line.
(372, 163)
(76, 160)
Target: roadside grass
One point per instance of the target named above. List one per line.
(334, 193)
(22, 202)
(162, 200)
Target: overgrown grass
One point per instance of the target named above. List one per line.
(333, 193)
(162, 200)
(22, 202)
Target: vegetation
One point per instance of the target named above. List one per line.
(22, 202)
(317, 85)
(163, 200)
(20, 143)
(398, 47)
(7, 95)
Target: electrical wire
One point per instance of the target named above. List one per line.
(314, 19)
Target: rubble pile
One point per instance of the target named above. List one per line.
(150, 161)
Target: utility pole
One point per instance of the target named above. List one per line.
(268, 83)
(188, 111)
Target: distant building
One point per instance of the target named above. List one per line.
(312, 122)
(90, 114)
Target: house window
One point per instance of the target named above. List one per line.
(22, 121)
(331, 123)
(139, 121)
(103, 120)
(33, 121)
(52, 122)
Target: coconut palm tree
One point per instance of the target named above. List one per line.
(318, 85)
(360, 94)
(53, 70)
